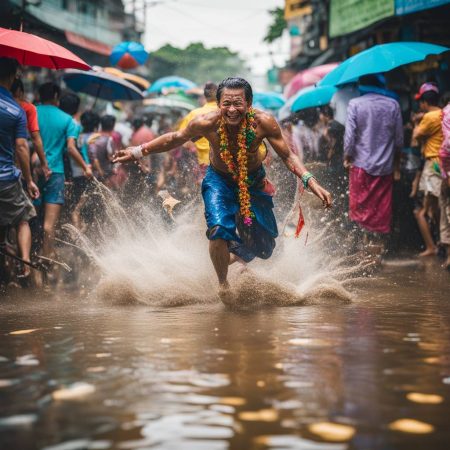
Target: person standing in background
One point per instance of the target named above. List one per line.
(16, 208)
(373, 141)
(444, 199)
(18, 93)
(59, 132)
(201, 145)
(428, 132)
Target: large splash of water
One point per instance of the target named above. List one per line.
(144, 259)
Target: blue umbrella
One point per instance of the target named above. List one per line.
(312, 98)
(128, 55)
(170, 82)
(101, 85)
(268, 100)
(380, 58)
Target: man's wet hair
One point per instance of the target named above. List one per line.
(8, 67)
(17, 86)
(90, 121)
(137, 122)
(108, 121)
(372, 80)
(210, 91)
(431, 97)
(69, 103)
(48, 90)
(235, 83)
(327, 111)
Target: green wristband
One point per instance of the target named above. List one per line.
(306, 177)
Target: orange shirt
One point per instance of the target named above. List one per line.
(430, 131)
(32, 118)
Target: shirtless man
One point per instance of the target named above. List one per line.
(231, 205)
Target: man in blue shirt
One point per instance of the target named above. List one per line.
(15, 207)
(59, 133)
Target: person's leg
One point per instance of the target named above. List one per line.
(51, 216)
(24, 244)
(444, 229)
(421, 217)
(220, 257)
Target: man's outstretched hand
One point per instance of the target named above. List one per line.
(123, 156)
(322, 193)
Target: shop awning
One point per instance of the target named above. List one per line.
(89, 44)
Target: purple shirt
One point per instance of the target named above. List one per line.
(373, 133)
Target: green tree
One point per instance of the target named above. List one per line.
(196, 63)
(277, 26)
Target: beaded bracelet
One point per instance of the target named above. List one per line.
(137, 152)
(306, 177)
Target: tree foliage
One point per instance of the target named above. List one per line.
(196, 63)
(277, 26)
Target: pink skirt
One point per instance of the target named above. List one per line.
(371, 200)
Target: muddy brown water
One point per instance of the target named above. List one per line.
(373, 374)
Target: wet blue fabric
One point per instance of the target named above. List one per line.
(220, 195)
(52, 190)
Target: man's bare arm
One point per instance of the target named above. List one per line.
(23, 155)
(76, 156)
(39, 148)
(291, 160)
(165, 142)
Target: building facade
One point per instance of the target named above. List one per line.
(89, 28)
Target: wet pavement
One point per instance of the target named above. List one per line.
(373, 374)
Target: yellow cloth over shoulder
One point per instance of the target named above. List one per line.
(202, 144)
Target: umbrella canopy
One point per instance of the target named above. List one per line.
(171, 101)
(318, 96)
(307, 77)
(128, 55)
(170, 82)
(101, 85)
(268, 100)
(32, 50)
(380, 58)
(138, 81)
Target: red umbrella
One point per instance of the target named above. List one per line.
(32, 50)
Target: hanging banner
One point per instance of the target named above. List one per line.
(409, 6)
(351, 15)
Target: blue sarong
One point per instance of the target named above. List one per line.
(220, 194)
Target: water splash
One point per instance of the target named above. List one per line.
(143, 258)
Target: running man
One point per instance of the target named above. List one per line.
(236, 193)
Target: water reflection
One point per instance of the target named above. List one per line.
(370, 374)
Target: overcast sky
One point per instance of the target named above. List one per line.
(237, 24)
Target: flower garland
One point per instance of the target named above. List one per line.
(239, 172)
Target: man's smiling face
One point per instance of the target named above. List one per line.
(233, 106)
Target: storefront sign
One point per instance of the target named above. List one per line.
(409, 6)
(351, 15)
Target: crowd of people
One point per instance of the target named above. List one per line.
(387, 169)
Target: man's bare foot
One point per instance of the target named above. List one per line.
(25, 272)
(225, 294)
(428, 252)
(446, 265)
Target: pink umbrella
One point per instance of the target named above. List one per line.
(307, 77)
(32, 50)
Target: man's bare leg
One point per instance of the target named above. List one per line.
(220, 257)
(51, 217)
(24, 244)
(430, 246)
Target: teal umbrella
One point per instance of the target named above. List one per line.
(380, 58)
(268, 100)
(170, 82)
(311, 98)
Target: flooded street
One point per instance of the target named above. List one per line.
(373, 374)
